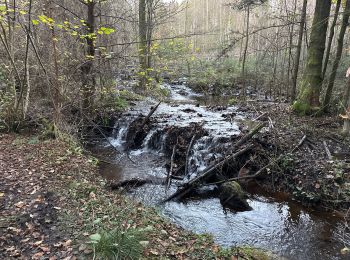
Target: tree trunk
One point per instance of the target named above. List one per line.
(339, 53)
(290, 47)
(87, 67)
(298, 52)
(149, 19)
(346, 125)
(330, 38)
(246, 42)
(142, 44)
(308, 99)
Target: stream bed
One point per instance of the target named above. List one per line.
(276, 223)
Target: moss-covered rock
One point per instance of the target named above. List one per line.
(233, 197)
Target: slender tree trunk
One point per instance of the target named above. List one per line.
(298, 52)
(246, 43)
(339, 53)
(26, 66)
(346, 117)
(142, 44)
(308, 99)
(149, 23)
(330, 38)
(87, 68)
(346, 101)
(290, 48)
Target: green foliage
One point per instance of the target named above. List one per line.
(118, 244)
(301, 108)
(286, 163)
(111, 99)
(232, 101)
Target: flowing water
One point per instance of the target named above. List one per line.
(275, 223)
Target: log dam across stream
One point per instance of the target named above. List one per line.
(275, 223)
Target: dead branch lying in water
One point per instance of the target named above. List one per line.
(209, 171)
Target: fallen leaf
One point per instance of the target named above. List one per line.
(19, 204)
(345, 251)
(67, 243)
(38, 255)
(45, 249)
(38, 243)
(82, 247)
(154, 252)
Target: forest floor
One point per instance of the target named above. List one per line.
(52, 199)
(315, 163)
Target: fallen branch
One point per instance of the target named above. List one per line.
(187, 187)
(153, 110)
(330, 157)
(209, 171)
(170, 173)
(188, 154)
(261, 170)
(299, 144)
(249, 136)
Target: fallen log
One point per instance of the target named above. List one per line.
(209, 171)
(187, 187)
(146, 119)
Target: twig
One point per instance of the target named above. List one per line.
(330, 157)
(188, 154)
(262, 115)
(170, 173)
(299, 144)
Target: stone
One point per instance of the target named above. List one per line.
(233, 197)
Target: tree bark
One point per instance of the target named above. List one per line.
(339, 53)
(142, 44)
(330, 38)
(346, 125)
(298, 52)
(87, 68)
(308, 99)
(246, 43)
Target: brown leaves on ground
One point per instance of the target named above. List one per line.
(29, 207)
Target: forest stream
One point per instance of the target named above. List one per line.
(275, 223)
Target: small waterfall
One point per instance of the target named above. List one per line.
(118, 137)
(146, 145)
